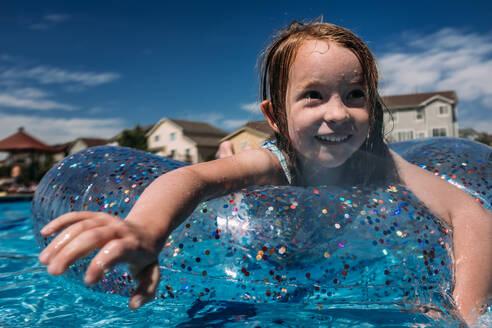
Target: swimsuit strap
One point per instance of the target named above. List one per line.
(272, 146)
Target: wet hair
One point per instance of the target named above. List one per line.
(372, 162)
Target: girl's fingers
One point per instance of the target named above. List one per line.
(148, 280)
(80, 246)
(57, 244)
(66, 220)
(86, 231)
(112, 253)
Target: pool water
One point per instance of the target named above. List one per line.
(30, 297)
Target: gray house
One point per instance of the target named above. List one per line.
(421, 115)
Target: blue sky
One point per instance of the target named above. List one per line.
(92, 68)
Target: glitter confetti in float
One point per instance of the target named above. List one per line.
(324, 247)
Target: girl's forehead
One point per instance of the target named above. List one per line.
(316, 45)
(324, 60)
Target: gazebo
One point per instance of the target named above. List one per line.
(23, 148)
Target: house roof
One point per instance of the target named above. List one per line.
(202, 133)
(204, 141)
(199, 128)
(417, 99)
(21, 141)
(63, 147)
(259, 127)
(92, 142)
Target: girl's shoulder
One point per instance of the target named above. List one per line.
(247, 168)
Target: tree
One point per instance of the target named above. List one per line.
(485, 138)
(134, 138)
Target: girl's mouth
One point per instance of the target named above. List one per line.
(333, 139)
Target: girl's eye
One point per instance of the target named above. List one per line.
(356, 94)
(312, 95)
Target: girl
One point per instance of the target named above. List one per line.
(319, 90)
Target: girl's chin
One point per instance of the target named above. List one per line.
(327, 161)
(323, 163)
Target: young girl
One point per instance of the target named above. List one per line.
(319, 90)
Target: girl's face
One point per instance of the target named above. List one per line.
(327, 114)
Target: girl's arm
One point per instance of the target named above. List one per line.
(163, 205)
(171, 198)
(472, 235)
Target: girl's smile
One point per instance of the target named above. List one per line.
(326, 106)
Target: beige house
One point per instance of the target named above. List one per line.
(251, 135)
(72, 147)
(421, 115)
(62, 151)
(186, 141)
(83, 143)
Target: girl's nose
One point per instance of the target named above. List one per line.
(335, 111)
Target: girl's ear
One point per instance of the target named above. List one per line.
(267, 109)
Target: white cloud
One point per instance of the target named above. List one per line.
(7, 100)
(479, 125)
(40, 26)
(30, 98)
(56, 18)
(217, 119)
(252, 107)
(59, 130)
(232, 124)
(95, 110)
(21, 87)
(49, 21)
(213, 118)
(29, 93)
(5, 57)
(446, 60)
(53, 75)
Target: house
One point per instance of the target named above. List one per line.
(421, 115)
(250, 135)
(62, 151)
(187, 141)
(83, 143)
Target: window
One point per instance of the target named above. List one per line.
(156, 138)
(420, 135)
(439, 132)
(187, 155)
(405, 135)
(172, 136)
(420, 114)
(172, 153)
(244, 144)
(443, 111)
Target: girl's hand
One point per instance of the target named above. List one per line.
(118, 241)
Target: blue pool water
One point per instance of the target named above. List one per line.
(29, 297)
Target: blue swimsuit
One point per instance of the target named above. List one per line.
(272, 146)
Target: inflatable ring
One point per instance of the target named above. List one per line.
(320, 246)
